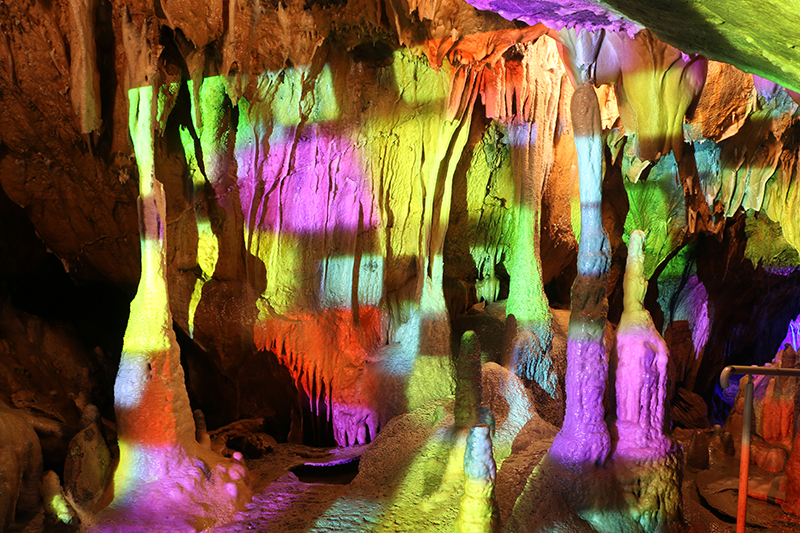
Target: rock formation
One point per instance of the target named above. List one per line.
(21, 470)
(584, 440)
(327, 194)
(644, 456)
(478, 512)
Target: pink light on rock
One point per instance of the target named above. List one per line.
(305, 180)
(578, 14)
(584, 437)
(644, 460)
(642, 369)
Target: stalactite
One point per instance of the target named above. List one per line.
(84, 76)
(741, 151)
(579, 50)
(657, 206)
(211, 120)
(313, 174)
(528, 308)
(326, 352)
(490, 171)
(201, 22)
(655, 85)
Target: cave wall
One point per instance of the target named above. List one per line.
(342, 179)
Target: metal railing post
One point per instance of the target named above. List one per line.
(744, 465)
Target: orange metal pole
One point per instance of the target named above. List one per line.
(744, 466)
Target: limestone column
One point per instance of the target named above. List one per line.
(584, 437)
(644, 456)
(164, 478)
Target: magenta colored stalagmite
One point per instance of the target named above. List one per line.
(584, 437)
(644, 457)
(642, 370)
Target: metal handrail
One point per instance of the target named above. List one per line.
(744, 465)
(724, 378)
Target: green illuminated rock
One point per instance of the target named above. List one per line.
(757, 37)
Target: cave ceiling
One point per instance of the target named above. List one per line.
(757, 37)
(64, 74)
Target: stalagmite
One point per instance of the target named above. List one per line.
(792, 504)
(789, 359)
(531, 134)
(773, 426)
(645, 458)
(164, 477)
(343, 180)
(777, 414)
(565, 491)
(584, 438)
(468, 381)
(641, 368)
(478, 511)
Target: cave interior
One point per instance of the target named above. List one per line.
(397, 265)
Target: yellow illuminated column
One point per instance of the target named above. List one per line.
(150, 399)
(165, 479)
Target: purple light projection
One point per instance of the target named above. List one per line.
(578, 14)
(584, 437)
(326, 201)
(769, 90)
(642, 371)
(307, 180)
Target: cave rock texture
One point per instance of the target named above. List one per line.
(301, 206)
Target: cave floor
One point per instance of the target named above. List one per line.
(283, 503)
(410, 480)
(288, 505)
(406, 483)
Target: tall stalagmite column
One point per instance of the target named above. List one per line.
(164, 478)
(584, 437)
(532, 136)
(151, 403)
(641, 368)
(644, 456)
